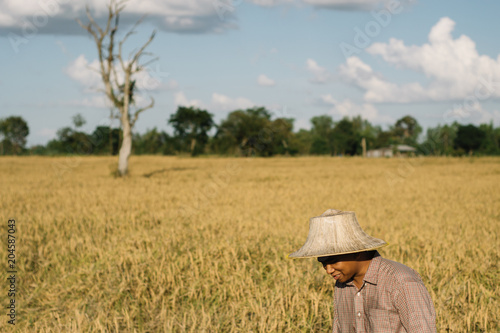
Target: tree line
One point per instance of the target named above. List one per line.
(255, 132)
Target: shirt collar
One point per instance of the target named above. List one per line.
(371, 275)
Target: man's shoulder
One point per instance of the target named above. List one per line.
(397, 272)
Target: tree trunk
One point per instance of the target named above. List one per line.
(126, 147)
(193, 145)
(110, 136)
(120, 92)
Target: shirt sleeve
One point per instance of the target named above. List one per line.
(415, 308)
(336, 324)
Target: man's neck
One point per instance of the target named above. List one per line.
(359, 277)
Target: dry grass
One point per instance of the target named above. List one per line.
(200, 245)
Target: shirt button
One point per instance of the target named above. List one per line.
(359, 294)
(359, 314)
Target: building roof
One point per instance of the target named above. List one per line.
(404, 148)
(401, 148)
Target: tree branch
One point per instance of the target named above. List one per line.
(121, 95)
(139, 68)
(136, 114)
(141, 50)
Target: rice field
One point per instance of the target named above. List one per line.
(201, 244)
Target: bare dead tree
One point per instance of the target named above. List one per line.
(119, 89)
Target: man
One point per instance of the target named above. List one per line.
(372, 294)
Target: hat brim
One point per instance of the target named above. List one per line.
(292, 256)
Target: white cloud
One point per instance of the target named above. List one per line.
(453, 67)
(377, 89)
(265, 81)
(321, 74)
(328, 100)
(219, 102)
(328, 4)
(180, 99)
(346, 4)
(346, 108)
(269, 3)
(225, 103)
(473, 113)
(366, 111)
(87, 74)
(154, 79)
(58, 16)
(27, 18)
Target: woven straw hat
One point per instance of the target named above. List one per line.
(336, 232)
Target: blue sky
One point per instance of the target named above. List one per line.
(438, 61)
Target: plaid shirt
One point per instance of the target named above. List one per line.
(393, 298)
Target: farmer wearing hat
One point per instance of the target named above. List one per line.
(372, 294)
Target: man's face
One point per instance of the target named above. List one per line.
(342, 268)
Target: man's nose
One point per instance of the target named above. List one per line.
(329, 269)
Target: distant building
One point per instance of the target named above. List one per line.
(391, 151)
(381, 152)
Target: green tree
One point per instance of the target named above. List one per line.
(469, 138)
(71, 142)
(364, 129)
(191, 126)
(490, 144)
(301, 142)
(281, 130)
(407, 130)
(78, 120)
(322, 139)
(154, 142)
(249, 131)
(38, 150)
(385, 139)
(440, 140)
(105, 140)
(345, 140)
(322, 125)
(13, 133)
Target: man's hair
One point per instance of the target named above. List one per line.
(365, 255)
(371, 253)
